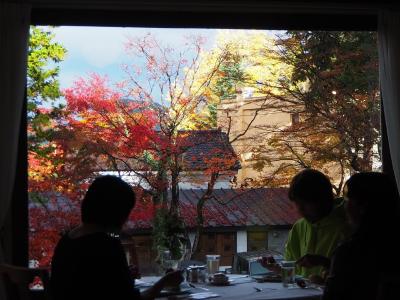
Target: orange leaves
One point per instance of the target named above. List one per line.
(42, 171)
(220, 161)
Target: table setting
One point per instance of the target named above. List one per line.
(207, 281)
(239, 287)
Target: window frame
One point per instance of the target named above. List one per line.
(312, 15)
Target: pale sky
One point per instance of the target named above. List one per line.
(101, 49)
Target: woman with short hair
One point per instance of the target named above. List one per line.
(89, 261)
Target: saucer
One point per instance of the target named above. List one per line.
(221, 283)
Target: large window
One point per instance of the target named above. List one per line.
(225, 117)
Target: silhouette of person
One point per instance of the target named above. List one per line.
(89, 261)
(321, 229)
(358, 264)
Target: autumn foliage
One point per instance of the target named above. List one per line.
(143, 128)
(135, 128)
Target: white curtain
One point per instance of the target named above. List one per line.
(14, 34)
(389, 76)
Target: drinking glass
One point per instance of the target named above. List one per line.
(167, 262)
(288, 273)
(212, 263)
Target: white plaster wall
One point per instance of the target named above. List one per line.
(129, 177)
(241, 241)
(218, 185)
(197, 180)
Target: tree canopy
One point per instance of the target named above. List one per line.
(333, 88)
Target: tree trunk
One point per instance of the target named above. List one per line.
(199, 224)
(200, 217)
(174, 192)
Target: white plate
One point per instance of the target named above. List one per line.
(166, 293)
(140, 283)
(207, 295)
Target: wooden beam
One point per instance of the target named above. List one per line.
(211, 19)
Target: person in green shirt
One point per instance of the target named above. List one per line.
(321, 229)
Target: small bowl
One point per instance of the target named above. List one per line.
(219, 279)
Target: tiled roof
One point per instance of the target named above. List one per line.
(205, 145)
(200, 150)
(234, 208)
(227, 208)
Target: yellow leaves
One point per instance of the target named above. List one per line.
(257, 51)
(39, 168)
(254, 51)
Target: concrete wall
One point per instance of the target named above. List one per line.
(242, 110)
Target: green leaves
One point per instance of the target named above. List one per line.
(43, 87)
(168, 232)
(232, 75)
(43, 56)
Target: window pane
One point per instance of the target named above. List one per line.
(257, 240)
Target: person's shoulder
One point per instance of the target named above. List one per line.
(338, 203)
(300, 224)
(339, 210)
(62, 249)
(350, 245)
(63, 241)
(348, 251)
(102, 237)
(100, 245)
(98, 240)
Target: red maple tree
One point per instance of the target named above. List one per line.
(136, 128)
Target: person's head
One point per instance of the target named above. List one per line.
(312, 193)
(371, 198)
(108, 202)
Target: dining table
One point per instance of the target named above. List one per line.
(240, 287)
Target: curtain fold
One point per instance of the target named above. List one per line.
(389, 76)
(14, 35)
